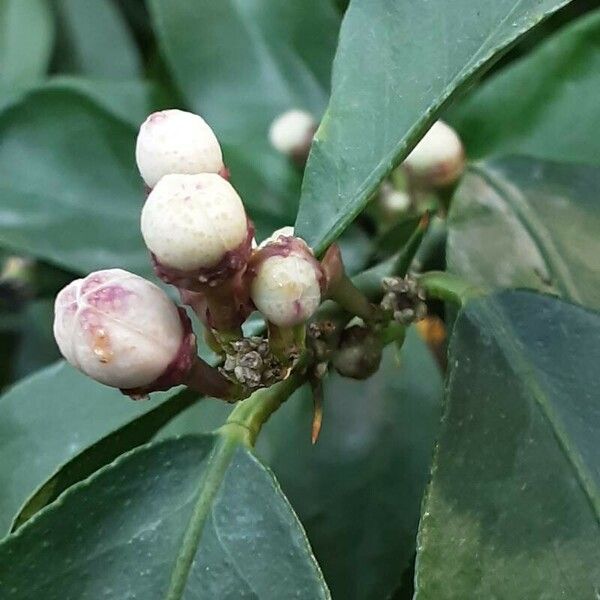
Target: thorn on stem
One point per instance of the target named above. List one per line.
(316, 385)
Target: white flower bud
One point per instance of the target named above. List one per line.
(175, 141)
(117, 328)
(286, 289)
(393, 201)
(291, 133)
(191, 221)
(438, 159)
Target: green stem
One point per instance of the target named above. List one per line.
(352, 300)
(251, 414)
(393, 332)
(286, 341)
(407, 254)
(448, 287)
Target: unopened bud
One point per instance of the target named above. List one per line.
(286, 281)
(359, 353)
(196, 223)
(291, 133)
(123, 331)
(438, 159)
(175, 141)
(392, 201)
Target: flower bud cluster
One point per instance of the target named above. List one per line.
(125, 331)
(404, 299)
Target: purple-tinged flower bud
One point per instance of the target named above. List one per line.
(175, 141)
(123, 331)
(286, 280)
(438, 159)
(197, 230)
(292, 132)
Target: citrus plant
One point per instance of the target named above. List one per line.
(324, 279)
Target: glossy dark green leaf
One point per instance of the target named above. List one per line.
(134, 433)
(94, 40)
(513, 509)
(26, 37)
(69, 188)
(197, 517)
(521, 222)
(396, 66)
(545, 105)
(242, 63)
(358, 491)
(47, 419)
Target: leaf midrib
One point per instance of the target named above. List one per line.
(208, 487)
(505, 337)
(536, 230)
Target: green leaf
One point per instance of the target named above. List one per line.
(240, 64)
(26, 38)
(545, 105)
(129, 101)
(513, 509)
(94, 40)
(134, 433)
(47, 419)
(398, 63)
(358, 491)
(36, 347)
(69, 188)
(193, 517)
(521, 222)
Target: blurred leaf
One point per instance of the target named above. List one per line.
(94, 40)
(356, 247)
(513, 508)
(545, 105)
(242, 63)
(26, 37)
(396, 66)
(130, 101)
(521, 222)
(198, 516)
(358, 491)
(394, 238)
(47, 419)
(69, 188)
(132, 434)
(36, 347)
